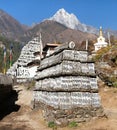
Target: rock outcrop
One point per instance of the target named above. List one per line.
(5, 86)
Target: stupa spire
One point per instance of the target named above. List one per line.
(100, 32)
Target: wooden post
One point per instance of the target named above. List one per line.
(4, 71)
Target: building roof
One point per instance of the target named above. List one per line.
(48, 45)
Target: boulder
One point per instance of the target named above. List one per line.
(6, 83)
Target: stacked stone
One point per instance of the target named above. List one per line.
(29, 54)
(66, 82)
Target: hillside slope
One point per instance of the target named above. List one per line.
(56, 32)
(106, 65)
(10, 27)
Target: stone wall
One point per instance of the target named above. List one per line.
(62, 117)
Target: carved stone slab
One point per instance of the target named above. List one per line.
(67, 68)
(71, 55)
(68, 83)
(67, 100)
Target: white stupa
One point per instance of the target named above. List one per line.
(100, 41)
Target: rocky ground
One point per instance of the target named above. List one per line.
(20, 116)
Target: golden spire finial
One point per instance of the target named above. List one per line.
(100, 33)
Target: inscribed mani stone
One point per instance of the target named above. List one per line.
(65, 100)
(67, 83)
(69, 55)
(66, 68)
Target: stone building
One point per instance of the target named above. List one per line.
(49, 48)
(100, 41)
(66, 86)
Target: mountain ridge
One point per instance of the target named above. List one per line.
(11, 28)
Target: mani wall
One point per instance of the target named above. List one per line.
(21, 69)
(66, 86)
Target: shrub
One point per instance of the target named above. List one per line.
(53, 125)
(73, 124)
(115, 84)
(101, 52)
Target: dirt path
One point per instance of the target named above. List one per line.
(27, 119)
(24, 118)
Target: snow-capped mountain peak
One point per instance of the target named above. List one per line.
(71, 21)
(63, 17)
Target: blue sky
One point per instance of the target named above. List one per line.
(91, 12)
